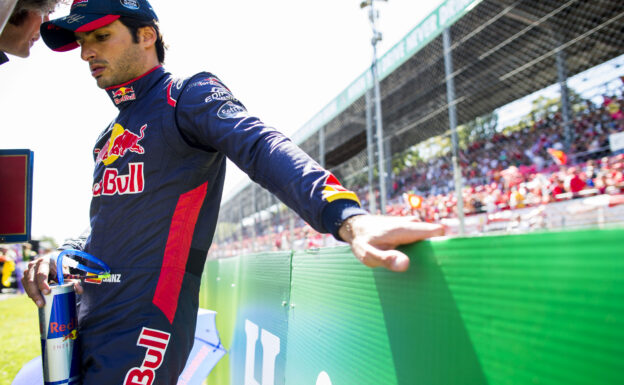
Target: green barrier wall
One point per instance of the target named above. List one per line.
(521, 309)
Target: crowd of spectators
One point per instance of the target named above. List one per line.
(515, 169)
(510, 170)
(13, 261)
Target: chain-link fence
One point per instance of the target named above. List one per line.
(517, 104)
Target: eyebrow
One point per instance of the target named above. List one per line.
(85, 34)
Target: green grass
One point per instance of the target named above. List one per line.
(19, 336)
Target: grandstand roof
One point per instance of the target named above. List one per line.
(502, 51)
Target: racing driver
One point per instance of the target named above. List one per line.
(158, 176)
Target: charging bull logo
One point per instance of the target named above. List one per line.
(123, 94)
(71, 336)
(120, 142)
(156, 343)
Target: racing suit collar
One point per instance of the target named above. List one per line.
(124, 95)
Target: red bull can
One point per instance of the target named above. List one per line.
(58, 326)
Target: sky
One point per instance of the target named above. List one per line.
(284, 59)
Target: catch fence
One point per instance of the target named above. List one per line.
(517, 104)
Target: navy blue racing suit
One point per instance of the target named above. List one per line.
(158, 181)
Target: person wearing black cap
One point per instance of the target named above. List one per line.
(158, 180)
(22, 29)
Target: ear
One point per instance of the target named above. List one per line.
(147, 36)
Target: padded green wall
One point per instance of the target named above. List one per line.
(543, 308)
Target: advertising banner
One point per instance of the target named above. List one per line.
(16, 173)
(258, 287)
(512, 309)
(616, 142)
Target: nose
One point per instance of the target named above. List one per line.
(86, 52)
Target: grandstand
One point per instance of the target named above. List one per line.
(501, 51)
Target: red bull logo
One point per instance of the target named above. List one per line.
(123, 94)
(155, 341)
(63, 321)
(58, 325)
(120, 142)
(114, 184)
(62, 328)
(71, 336)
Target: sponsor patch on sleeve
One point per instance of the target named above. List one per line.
(214, 91)
(220, 94)
(333, 191)
(208, 82)
(230, 110)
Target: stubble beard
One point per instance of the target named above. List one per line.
(128, 67)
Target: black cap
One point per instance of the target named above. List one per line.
(89, 15)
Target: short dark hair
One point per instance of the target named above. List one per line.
(22, 7)
(134, 24)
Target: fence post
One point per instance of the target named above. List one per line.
(370, 151)
(452, 110)
(562, 76)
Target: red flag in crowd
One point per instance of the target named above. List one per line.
(414, 201)
(559, 156)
